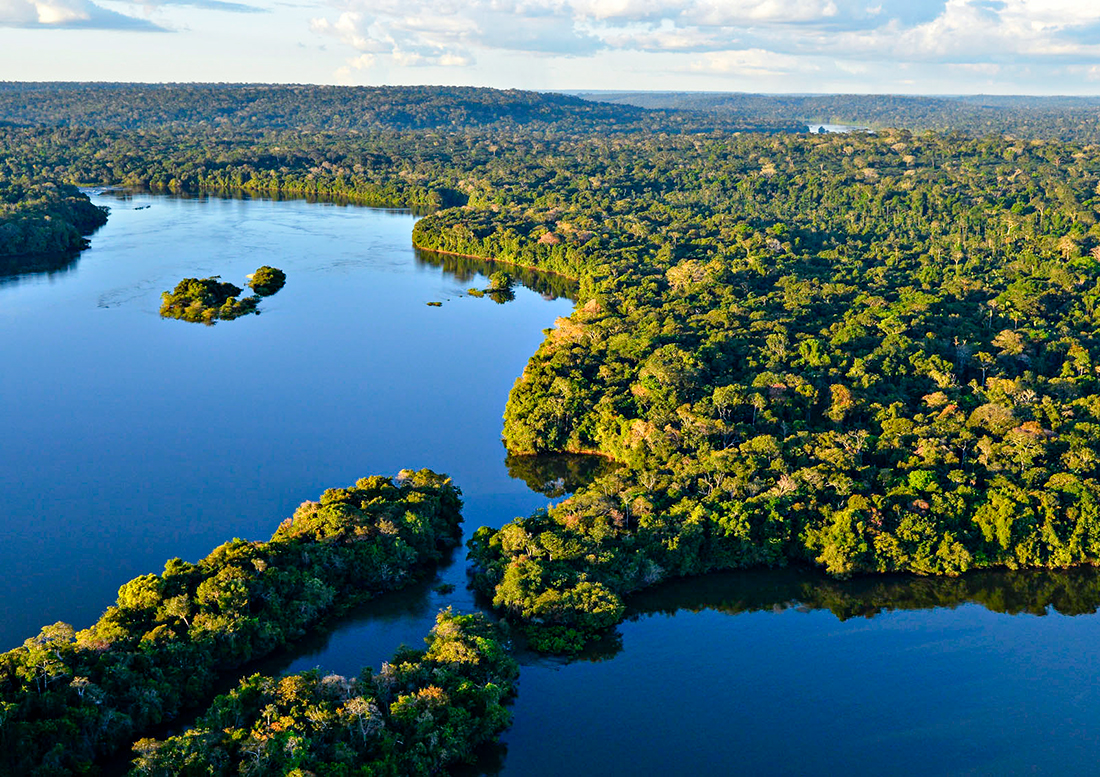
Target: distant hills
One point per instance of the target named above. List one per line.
(244, 107)
(247, 108)
(1049, 118)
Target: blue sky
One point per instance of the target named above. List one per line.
(914, 46)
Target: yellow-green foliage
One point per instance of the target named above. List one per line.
(424, 711)
(68, 697)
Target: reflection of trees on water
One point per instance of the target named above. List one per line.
(558, 474)
(1033, 592)
(262, 196)
(465, 269)
(13, 267)
(1069, 592)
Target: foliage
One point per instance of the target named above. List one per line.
(499, 281)
(205, 300)
(41, 217)
(1031, 117)
(267, 280)
(423, 712)
(310, 108)
(873, 353)
(68, 697)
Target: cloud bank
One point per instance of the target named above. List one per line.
(725, 36)
(86, 15)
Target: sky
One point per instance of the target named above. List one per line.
(863, 46)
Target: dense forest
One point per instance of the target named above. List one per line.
(875, 353)
(1031, 118)
(871, 352)
(307, 108)
(424, 711)
(42, 217)
(68, 697)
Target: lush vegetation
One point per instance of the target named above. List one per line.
(1046, 118)
(267, 280)
(206, 300)
(40, 217)
(424, 711)
(874, 353)
(187, 107)
(68, 697)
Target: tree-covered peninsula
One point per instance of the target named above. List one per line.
(874, 353)
(39, 216)
(69, 697)
(423, 712)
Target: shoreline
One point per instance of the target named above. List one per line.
(531, 267)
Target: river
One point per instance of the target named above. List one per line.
(129, 439)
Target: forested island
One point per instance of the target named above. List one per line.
(206, 300)
(872, 353)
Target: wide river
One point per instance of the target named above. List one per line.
(126, 440)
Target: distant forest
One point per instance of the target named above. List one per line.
(245, 107)
(1047, 118)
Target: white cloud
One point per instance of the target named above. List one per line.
(84, 14)
(61, 14)
(750, 62)
(728, 36)
(970, 31)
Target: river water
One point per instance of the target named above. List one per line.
(128, 439)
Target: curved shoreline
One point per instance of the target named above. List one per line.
(531, 267)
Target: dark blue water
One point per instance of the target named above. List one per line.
(126, 439)
(788, 673)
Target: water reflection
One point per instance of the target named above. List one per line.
(206, 195)
(1009, 592)
(558, 475)
(1034, 592)
(12, 268)
(466, 269)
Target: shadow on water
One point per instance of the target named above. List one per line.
(126, 194)
(558, 475)
(14, 268)
(1020, 592)
(465, 269)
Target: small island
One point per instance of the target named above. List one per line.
(500, 288)
(206, 300)
(267, 280)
